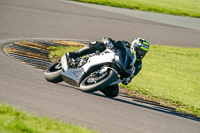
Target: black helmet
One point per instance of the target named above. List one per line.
(140, 46)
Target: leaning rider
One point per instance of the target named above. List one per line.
(139, 47)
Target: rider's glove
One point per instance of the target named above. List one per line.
(108, 42)
(126, 81)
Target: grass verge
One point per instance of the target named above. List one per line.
(175, 7)
(173, 74)
(170, 75)
(13, 120)
(57, 52)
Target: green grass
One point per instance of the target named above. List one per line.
(57, 52)
(13, 120)
(176, 7)
(171, 73)
(168, 73)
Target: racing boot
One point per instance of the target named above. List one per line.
(81, 52)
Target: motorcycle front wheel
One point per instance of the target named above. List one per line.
(53, 73)
(95, 82)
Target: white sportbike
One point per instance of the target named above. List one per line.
(98, 71)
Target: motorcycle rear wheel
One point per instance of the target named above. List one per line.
(104, 82)
(111, 91)
(52, 74)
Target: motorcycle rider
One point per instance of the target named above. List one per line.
(139, 47)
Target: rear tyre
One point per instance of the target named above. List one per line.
(53, 73)
(95, 82)
(111, 91)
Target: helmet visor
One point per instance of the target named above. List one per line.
(141, 53)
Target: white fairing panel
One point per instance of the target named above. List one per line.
(99, 59)
(64, 62)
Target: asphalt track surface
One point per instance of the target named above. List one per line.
(24, 86)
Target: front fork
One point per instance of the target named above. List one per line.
(105, 69)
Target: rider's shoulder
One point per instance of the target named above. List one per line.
(122, 43)
(126, 43)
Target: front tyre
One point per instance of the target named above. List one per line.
(53, 73)
(96, 81)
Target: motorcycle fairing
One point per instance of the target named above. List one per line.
(121, 59)
(73, 76)
(103, 58)
(64, 62)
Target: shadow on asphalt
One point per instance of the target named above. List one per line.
(135, 101)
(156, 107)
